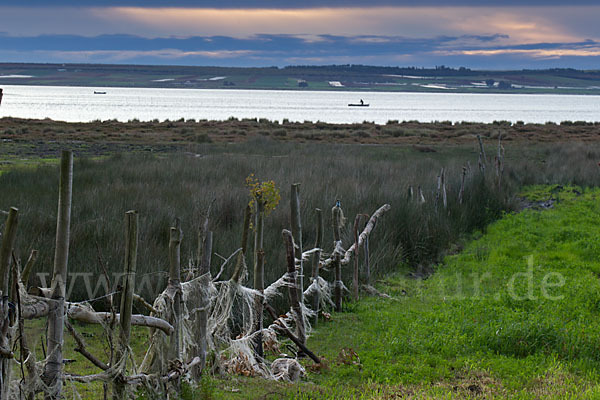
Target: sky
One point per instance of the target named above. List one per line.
(477, 34)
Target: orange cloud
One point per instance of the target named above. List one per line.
(522, 24)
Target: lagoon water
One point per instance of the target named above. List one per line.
(80, 104)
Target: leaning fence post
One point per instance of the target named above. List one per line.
(56, 316)
(317, 264)
(297, 235)
(8, 243)
(293, 292)
(122, 355)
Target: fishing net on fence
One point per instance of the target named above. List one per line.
(229, 309)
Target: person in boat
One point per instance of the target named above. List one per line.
(362, 103)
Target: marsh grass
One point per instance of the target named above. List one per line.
(183, 185)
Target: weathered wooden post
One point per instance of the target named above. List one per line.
(130, 267)
(297, 235)
(239, 266)
(421, 198)
(202, 319)
(259, 272)
(29, 267)
(444, 195)
(500, 162)
(336, 212)
(175, 238)
(316, 265)
(292, 290)
(482, 157)
(367, 261)
(461, 193)
(356, 249)
(56, 317)
(6, 249)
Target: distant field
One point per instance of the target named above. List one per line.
(355, 77)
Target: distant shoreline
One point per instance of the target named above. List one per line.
(305, 78)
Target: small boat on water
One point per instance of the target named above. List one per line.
(358, 105)
(361, 104)
(98, 92)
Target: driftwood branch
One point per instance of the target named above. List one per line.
(361, 238)
(39, 307)
(82, 348)
(293, 338)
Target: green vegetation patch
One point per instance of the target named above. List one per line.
(514, 315)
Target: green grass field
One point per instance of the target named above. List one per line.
(514, 315)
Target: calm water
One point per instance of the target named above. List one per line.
(78, 104)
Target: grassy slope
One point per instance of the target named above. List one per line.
(445, 338)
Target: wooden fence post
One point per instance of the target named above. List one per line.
(54, 363)
(175, 238)
(259, 273)
(6, 250)
(337, 267)
(202, 321)
(293, 290)
(367, 261)
(356, 252)
(239, 266)
(131, 245)
(461, 193)
(297, 235)
(317, 264)
(483, 158)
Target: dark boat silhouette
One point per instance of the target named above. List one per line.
(98, 92)
(0, 95)
(361, 104)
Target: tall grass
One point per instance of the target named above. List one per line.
(183, 185)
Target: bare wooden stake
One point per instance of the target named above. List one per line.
(461, 193)
(316, 265)
(130, 267)
(292, 291)
(297, 235)
(54, 362)
(29, 267)
(356, 251)
(444, 195)
(176, 236)
(337, 266)
(202, 316)
(482, 158)
(367, 261)
(6, 252)
(259, 285)
(239, 266)
(337, 288)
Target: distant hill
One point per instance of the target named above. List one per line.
(332, 77)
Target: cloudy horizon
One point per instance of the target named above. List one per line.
(479, 35)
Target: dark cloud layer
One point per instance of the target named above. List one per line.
(282, 50)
